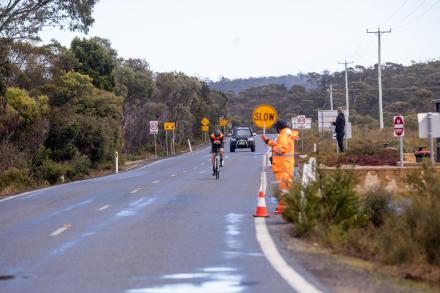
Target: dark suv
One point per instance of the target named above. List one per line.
(242, 137)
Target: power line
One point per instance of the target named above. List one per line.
(395, 12)
(390, 88)
(420, 15)
(410, 14)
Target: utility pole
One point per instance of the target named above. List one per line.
(379, 33)
(331, 96)
(346, 89)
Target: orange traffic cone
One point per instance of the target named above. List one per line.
(279, 209)
(261, 210)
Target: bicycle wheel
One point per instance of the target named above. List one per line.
(217, 168)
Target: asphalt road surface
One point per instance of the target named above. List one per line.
(166, 227)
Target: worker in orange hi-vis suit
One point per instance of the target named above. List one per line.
(283, 151)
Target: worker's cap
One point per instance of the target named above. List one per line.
(280, 124)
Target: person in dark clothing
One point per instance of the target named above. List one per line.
(340, 129)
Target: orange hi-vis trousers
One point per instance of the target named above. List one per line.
(283, 161)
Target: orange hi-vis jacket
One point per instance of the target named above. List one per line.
(283, 151)
(216, 139)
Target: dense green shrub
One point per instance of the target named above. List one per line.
(423, 214)
(329, 201)
(376, 205)
(396, 244)
(51, 171)
(14, 180)
(79, 166)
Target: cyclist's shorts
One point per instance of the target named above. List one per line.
(216, 147)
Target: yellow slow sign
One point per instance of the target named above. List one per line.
(169, 126)
(264, 116)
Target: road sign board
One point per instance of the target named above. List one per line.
(154, 127)
(205, 121)
(264, 116)
(169, 126)
(423, 119)
(205, 128)
(223, 122)
(398, 125)
(324, 118)
(307, 122)
(301, 119)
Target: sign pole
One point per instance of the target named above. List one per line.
(166, 141)
(401, 151)
(431, 145)
(174, 145)
(155, 146)
(302, 140)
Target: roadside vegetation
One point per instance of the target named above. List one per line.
(65, 111)
(401, 231)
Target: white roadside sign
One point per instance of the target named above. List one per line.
(301, 122)
(154, 127)
(424, 124)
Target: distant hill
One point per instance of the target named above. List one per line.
(407, 90)
(239, 85)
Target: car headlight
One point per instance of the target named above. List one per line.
(250, 138)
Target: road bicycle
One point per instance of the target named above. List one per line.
(217, 166)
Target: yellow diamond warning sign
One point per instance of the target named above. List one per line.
(264, 116)
(205, 121)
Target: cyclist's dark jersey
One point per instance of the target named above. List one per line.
(215, 147)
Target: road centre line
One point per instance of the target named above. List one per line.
(173, 175)
(156, 181)
(60, 230)
(293, 278)
(104, 207)
(135, 190)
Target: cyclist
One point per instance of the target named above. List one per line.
(217, 143)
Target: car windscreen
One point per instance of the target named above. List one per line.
(242, 132)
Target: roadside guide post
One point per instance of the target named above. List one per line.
(116, 162)
(154, 130)
(399, 131)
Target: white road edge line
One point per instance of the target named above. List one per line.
(104, 207)
(173, 175)
(293, 278)
(156, 181)
(60, 230)
(95, 178)
(135, 190)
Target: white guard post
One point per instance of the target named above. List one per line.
(116, 162)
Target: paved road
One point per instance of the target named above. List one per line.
(166, 227)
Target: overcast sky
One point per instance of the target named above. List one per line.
(243, 38)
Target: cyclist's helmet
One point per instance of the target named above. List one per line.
(280, 124)
(217, 132)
